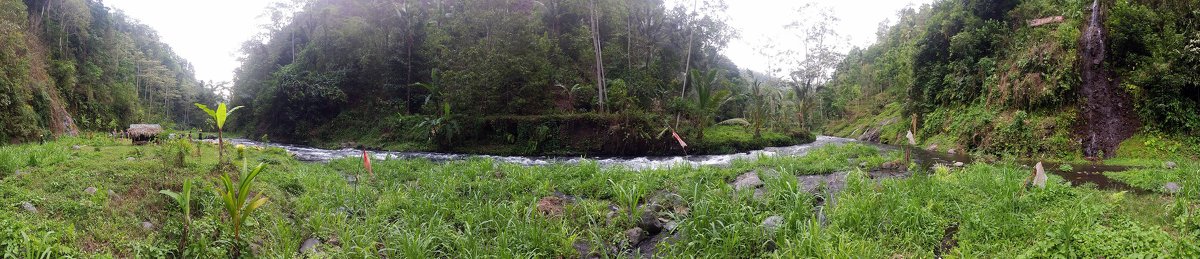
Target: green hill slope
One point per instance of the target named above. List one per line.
(75, 64)
(1005, 77)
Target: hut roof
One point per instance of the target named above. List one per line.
(144, 129)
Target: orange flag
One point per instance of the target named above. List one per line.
(677, 138)
(367, 163)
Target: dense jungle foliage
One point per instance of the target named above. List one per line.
(979, 76)
(70, 65)
(408, 71)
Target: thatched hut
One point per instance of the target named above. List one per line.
(143, 133)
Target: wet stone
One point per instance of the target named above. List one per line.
(29, 207)
(772, 223)
(1172, 187)
(747, 181)
(309, 245)
(90, 190)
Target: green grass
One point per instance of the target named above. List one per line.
(482, 208)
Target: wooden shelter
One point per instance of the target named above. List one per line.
(143, 133)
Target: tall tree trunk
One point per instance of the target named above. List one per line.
(603, 91)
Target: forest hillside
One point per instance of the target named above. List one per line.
(1060, 78)
(72, 65)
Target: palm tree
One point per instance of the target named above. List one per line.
(708, 99)
(219, 117)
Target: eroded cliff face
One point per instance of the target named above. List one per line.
(1107, 111)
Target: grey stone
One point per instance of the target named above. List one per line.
(760, 193)
(863, 164)
(76, 147)
(29, 207)
(747, 181)
(20, 173)
(1172, 187)
(931, 147)
(1039, 176)
(635, 235)
(90, 190)
(309, 245)
(130, 159)
(113, 195)
(147, 225)
(959, 164)
(950, 151)
(670, 226)
(1170, 165)
(772, 223)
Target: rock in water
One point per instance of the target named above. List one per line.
(1039, 176)
(1172, 187)
(1170, 165)
(90, 190)
(747, 181)
(309, 245)
(29, 207)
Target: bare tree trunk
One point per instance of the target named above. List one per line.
(603, 92)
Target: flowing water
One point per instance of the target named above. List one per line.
(311, 154)
(1079, 174)
(1107, 111)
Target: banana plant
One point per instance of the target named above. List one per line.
(219, 117)
(184, 199)
(434, 87)
(235, 197)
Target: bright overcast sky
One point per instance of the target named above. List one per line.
(209, 33)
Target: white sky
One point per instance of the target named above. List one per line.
(209, 33)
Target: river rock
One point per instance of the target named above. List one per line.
(29, 207)
(760, 193)
(90, 190)
(309, 245)
(635, 235)
(950, 151)
(1172, 187)
(1039, 176)
(670, 226)
(747, 181)
(959, 164)
(772, 223)
(931, 147)
(147, 225)
(1170, 165)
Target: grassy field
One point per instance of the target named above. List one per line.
(481, 208)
